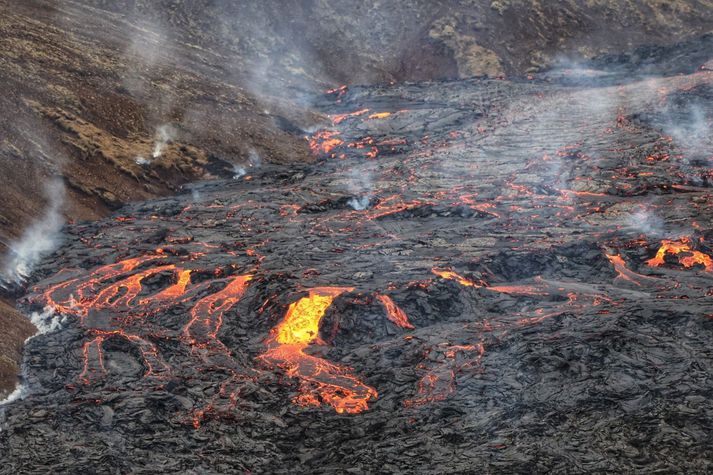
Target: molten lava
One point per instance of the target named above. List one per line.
(503, 289)
(689, 258)
(450, 275)
(625, 273)
(324, 141)
(321, 381)
(379, 115)
(394, 312)
(207, 314)
(101, 292)
(339, 118)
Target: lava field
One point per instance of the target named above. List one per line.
(476, 276)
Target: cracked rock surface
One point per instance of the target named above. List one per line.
(475, 276)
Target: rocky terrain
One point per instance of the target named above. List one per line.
(474, 275)
(439, 270)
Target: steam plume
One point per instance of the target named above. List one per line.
(39, 239)
(164, 135)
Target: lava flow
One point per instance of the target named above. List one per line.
(94, 294)
(394, 312)
(323, 142)
(489, 280)
(207, 314)
(625, 273)
(687, 256)
(321, 381)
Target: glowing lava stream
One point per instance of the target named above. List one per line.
(503, 289)
(682, 246)
(207, 313)
(76, 300)
(394, 313)
(93, 292)
(115, 291)
(625, 273)
(321, 381)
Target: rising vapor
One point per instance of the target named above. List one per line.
(39, 239)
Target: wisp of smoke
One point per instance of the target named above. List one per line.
(691, 131)
(646, 222)
(46, 321)
(164, 135)
(360, 184)
(360, 203)
(39, 239)
(254, 158)
(254, 161)
(238, 172)
(18, 393)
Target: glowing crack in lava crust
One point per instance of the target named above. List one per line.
(89, 295)
(117, 289)
(321, 381)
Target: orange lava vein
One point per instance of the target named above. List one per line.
(324, 141)
(321, 381)
(207, 313)
(71, 296)
(624, 272)
(394, 312)
(450, 275)
(682, 246)
(336, 119)
(503, 289)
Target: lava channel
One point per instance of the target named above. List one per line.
(321, 381)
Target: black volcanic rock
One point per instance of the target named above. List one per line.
(499, 305)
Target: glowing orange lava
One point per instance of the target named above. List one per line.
(72, 296)
(683, 246)
(113, 291)
(625, 273)
(324, 141)
(450, 275)
(321, 381)
(394, 313)
(207, 314)
(336, 119)
(172, 293)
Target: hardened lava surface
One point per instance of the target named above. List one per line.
(477, 276)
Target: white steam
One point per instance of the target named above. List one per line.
(46, 321)
(164, 135)
(254, 158)
(39, 239)
(646, 222)
(360, 184)
(691, 133)
(254, 162)
(238, 172)
(17, 394)
(360, 203)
